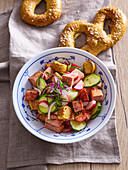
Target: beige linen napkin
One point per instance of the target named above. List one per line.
(26, 41)
(4, 88)
(5, 94)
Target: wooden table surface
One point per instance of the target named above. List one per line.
(121, 61)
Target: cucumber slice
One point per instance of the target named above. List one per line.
(49, 100)
(92, 80)
(96, 110)
(41, 108)
(41, 84)
(94, 116)
(72, 95)
(77, 126)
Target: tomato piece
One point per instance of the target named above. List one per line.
(81, 116)
(71, 69)
(67, 127)
(65, 63)
(67, 123)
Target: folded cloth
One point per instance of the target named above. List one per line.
(4, 88)
(5, 94)
(26, 41)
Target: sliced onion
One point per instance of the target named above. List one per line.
(57, 89)
(67, 87)
(37, 90)
(58, 82)
(42, 76)
(49, 110)
(56, 79)
(51, 84)
(43, 90)
(60, 87)
(51, 91)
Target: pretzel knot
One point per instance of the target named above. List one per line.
(97, 39)
(53, 13)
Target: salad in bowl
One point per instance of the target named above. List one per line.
(64, 95)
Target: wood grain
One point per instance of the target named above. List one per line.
(121, 61)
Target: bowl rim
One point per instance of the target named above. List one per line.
(46, 52)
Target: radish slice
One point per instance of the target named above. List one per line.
(43, 103)
(66, 100)
(85, 103)
(67, 87)
(75, 65)
(65, 92)
(71, 69)
(66, 72)
(91, 105)
(79, 85)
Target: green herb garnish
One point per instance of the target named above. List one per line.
(77, 68)
(50, 73)
(56, 91)
(38, 80)
(76, 113)
(34, 119)
(69, 66)
(50, 119)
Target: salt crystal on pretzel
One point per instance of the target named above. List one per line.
(53, 13)
(97, 39)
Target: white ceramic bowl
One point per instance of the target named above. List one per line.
(28, 117)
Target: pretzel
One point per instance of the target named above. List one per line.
(52, 14)
(97, 39)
